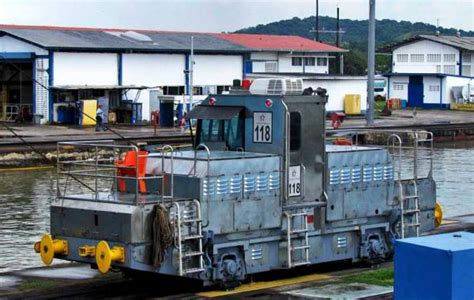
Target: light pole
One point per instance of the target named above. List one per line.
(371, 65)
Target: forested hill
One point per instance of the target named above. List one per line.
(355, 37)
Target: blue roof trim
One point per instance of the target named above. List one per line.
(426, 74)
(17, 55)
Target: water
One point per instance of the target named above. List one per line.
(25, 199)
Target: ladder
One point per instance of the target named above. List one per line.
(410, 210)
(188, 228)
(293, 235)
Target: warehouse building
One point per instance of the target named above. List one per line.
(426, 69)
(46, 68)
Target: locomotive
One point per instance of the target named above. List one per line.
(262, 188)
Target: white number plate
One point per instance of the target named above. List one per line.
(294, 181)
(262, 127)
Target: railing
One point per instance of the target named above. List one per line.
(411, 150)
(97, 175)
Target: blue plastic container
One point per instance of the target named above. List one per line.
(404, 103)
(435, 267)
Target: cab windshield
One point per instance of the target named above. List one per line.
(221, 134)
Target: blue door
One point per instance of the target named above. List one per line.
(415, 91)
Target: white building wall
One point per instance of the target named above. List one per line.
(10, 44)
(264, 56)
(432, 89)
(72, 68)
(398, 87)
(338, 88)
(285, 65)
(153, 69)
(41, 88)
(217, 69)
(451, 81)
(425, 47)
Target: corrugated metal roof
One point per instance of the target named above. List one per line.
(462, 42)
(279, 42)
(70, 38)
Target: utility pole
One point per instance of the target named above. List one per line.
(191, 74)
(316, 29)
(371, 65)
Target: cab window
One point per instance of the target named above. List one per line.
(222, 134)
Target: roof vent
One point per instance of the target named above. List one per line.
(277, 86)
(137, 37)
(458, 34)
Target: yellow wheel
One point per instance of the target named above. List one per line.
(438, 214)
(104, 256)
(47, 249)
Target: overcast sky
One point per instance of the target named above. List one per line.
(223, 15)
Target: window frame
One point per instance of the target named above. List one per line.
(297, 61)
(323, 59)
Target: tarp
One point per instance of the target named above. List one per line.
(214, 112)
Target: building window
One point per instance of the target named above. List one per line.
(466, 70)
(398, 87)
(402, 58)
(296, 61)
(433, 57)
(222, 88)
(449, 57)
(433, 88)
(322, 61)
(173, 90)
(309, 61)
(417, 58)
(449, 69)
(295, 131)
(466, 58)
(271, 67)
(438, 68)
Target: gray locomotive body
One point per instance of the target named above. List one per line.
(260, 190)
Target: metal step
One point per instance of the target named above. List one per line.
(294, 248)
(410, 197)
(193, 253)
(190, 221)
(299, 214)
(191, 237)
(411, 211)
(193, 270)
(300, 263)
(413, 225)
(299, 230)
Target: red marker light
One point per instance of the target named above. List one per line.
(268, 103)
(212, 101)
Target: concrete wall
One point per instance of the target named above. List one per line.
(398, 87)
(425, 47)
(338, 88)
(217, 69)
(71, 68)
(261, 61)
(10, 44)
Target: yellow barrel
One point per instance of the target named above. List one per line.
(352, 104)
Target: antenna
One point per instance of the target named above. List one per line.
(191, 75)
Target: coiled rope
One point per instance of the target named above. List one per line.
(163, 234)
